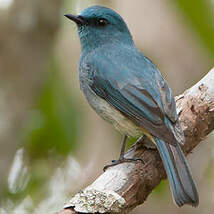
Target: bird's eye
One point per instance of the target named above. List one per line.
(101, 22)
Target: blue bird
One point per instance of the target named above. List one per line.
(125, 88)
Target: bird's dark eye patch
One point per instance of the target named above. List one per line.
(101, 22)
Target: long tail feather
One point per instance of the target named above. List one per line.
(181, 181)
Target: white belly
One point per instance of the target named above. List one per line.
(110, 114)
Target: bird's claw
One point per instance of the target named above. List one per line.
(122, 160)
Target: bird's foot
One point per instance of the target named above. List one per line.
(122, 160)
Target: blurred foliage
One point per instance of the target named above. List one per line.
(130, 142)
(200, 15)
(51, 134)
(161, 188)
(52, 128)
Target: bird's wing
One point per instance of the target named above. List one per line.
(167, 98)
(169, 107)
(138, 98)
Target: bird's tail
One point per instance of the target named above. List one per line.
(181, 181)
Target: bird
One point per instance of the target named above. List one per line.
(125, 88)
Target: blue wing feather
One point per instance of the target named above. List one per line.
(137, 89)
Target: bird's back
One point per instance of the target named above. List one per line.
(125, 73)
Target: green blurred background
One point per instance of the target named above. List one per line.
(51, 143)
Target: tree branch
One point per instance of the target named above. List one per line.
(123, 187)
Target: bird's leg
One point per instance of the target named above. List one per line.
(122, 159)
(122, 151)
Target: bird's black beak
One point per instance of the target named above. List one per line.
(77, 19)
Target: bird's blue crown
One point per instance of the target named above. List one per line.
(102, 25)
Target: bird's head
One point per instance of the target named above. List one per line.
(99, 25)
